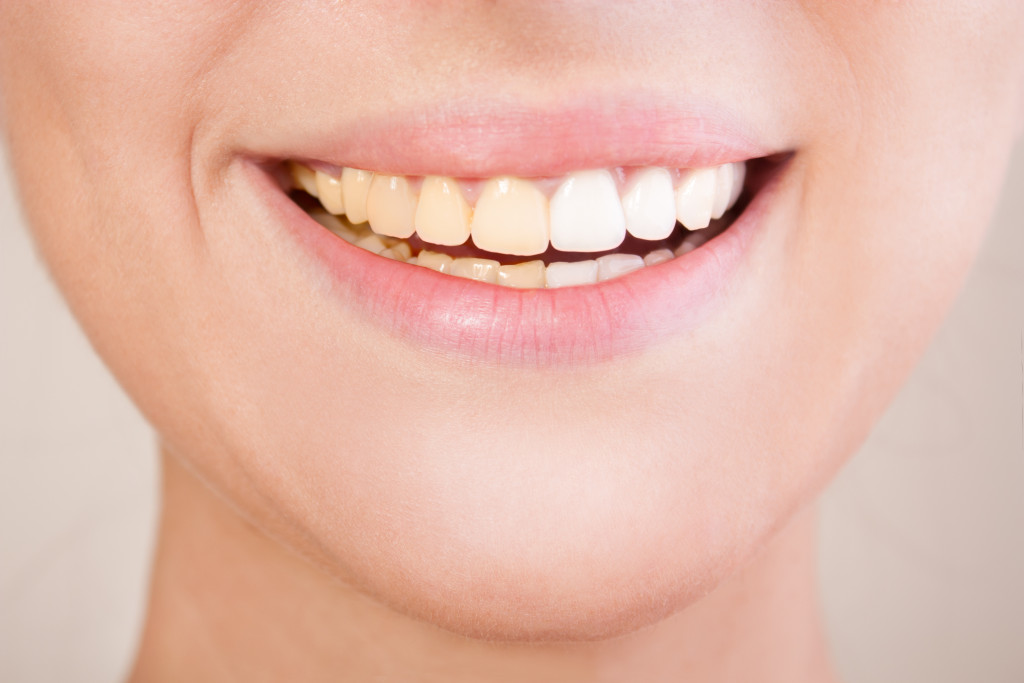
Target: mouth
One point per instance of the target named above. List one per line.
(508, 239)
(574, 230)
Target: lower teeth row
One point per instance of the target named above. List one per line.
(533, 274)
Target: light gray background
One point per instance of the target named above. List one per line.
(922, 550)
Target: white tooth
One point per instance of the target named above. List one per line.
(615, 265)
(691, 242)
(442, 216)
(650, 205)
(658, 256)
(484, 270)
(511, 217)
(570, 274)
(739, 175)
(586, 214)
(355, 186)
(328, 189)
(442, 263)
(303, 177)
(371, 243)
(695, 197)
(391, 206)
(723, 190)
(529, 275)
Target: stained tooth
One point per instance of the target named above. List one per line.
(739, 175)
(650, 205)
(303, 178)
(442, 263)
(723, 190)
(658, 256)
(355, 186)
(391, 206)
(442, 216)
(529, 275)
(695, 197)
(371, 243)
(328, 189)
(586, 214)
(481, 269)
(400, 251)
(615, 265)
(334, 224)
(566, 274)
(511, 217)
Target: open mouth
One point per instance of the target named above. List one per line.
(578, 229)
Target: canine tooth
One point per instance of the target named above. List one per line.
(391, 206)
(328, 189)
(511, 217)
(695, 197)
(484, 270)
(355, 186)
(723, 190)
(442, 263)
(371, 243)
(658, 256)
(529, 275)
(303, 177)
(586, 214)
(650, 205)
(442, 216)
(615, 265)
(739, 175)
(570, 274)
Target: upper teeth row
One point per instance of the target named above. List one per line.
(588, 212)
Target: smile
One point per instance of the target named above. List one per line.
(582, 228)
(538, 237)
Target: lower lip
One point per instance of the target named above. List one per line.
(484, 323)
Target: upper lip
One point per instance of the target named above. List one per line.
(487, 138)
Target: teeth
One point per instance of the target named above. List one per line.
(614, 265)
(658, 256)
(511, 217)
(566, 274)
(391, 206)
(328, 189)
(695, 198)
(443, 215)
(484, 270)
(303, 178)
(355, 186)
(738, 177)
(442, 263)
(650, 205)
(529, 275)
(586, 214)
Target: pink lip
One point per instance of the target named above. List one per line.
(484, 139)
(491, 324)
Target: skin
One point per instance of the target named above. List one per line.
(325, 481)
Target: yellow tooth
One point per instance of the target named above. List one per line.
(391, 206)
(511, 217)
(442, 216)
(372, 243)
(303, 177)
(334, 224)
(328, 189)
(442, 263)
(355, 186)
(481, 269)
(529, 275)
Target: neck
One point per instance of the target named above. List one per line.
(229, 603)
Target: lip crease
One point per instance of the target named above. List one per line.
(479, 322)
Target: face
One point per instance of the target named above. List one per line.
(544, 462)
